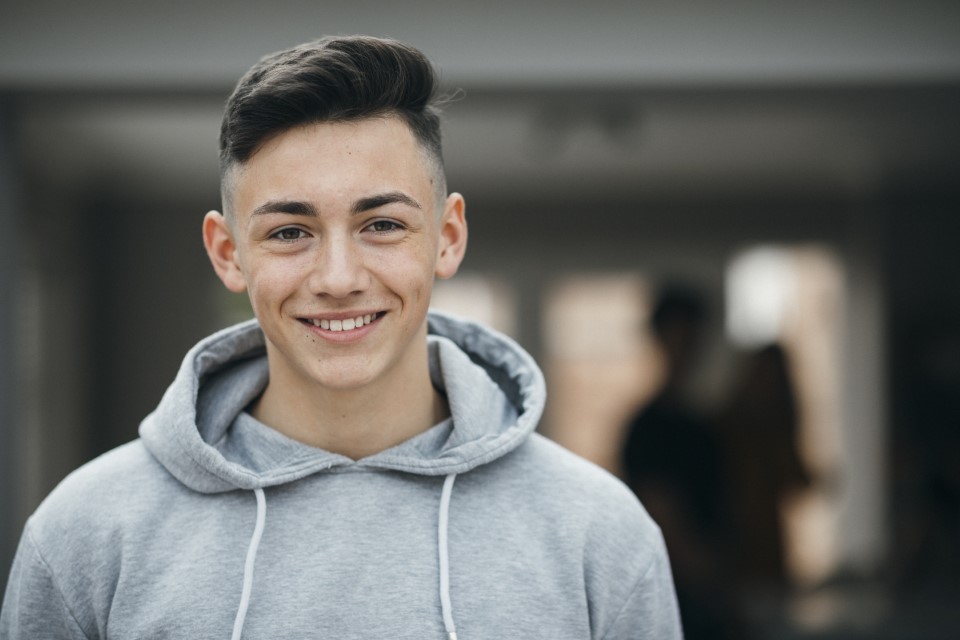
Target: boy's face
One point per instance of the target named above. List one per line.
(336, 239)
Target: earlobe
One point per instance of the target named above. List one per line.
(222, 251)
(453, 236)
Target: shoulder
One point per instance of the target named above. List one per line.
(587, 500)
(73, 544)
(100, 497)
(595, 523)
(551, 459)
(626, 570)
(548, 464)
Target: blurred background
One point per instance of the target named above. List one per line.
(791, 168)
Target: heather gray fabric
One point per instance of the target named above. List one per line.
(150, 540)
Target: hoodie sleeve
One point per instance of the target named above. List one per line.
(650, 610)
(33, 606)
(629, 583)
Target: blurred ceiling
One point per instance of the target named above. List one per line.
(203, 43)
(561, 100)
(556, 146)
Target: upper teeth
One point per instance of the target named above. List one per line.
(344, 325)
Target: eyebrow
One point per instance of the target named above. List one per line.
(300, 208)
(381, 199)
(292, 207)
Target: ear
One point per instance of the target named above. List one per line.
(453, 236)
(222, 251)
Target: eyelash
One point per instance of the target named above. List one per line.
(393, 226)
(277, 235)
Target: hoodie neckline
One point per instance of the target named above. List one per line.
(261, 449)
(495, 391)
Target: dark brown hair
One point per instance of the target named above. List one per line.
(334, 79)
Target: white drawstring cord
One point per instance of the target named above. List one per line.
(445, 557)
(248, 567)
(442, 544)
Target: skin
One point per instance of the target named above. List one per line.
(333, 221)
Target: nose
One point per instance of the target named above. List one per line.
(339, 269)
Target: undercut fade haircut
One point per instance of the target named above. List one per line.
(334, 79)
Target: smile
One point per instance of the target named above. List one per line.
(345, 324)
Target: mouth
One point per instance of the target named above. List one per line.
(344, 324)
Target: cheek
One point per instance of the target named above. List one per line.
(411, 276)
(271, 284)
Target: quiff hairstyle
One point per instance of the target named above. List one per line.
(334, 79)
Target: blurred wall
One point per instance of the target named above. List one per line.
(9, 431)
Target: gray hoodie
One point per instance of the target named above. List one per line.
(212, 524)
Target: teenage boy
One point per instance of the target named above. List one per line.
(346, 465)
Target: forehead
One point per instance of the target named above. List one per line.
(333, 159)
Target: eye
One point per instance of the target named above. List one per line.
(384, 226)
(289, 233)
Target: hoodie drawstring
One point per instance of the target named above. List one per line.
(445, 606)
(248, 567)
(445, 557)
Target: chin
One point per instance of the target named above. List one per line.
(343, 377)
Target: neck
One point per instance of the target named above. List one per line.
(356, 423)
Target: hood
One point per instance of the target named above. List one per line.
(495, 391)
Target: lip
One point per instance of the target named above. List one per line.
(342, 315)
(345, 335)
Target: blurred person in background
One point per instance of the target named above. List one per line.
(673, 460)
(760, 433)
(926, 464)
(298, 477)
